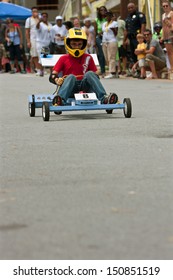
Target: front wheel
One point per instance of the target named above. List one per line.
(128, 107)
(45, 111)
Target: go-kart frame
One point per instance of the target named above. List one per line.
(81, 102)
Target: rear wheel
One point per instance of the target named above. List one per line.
(128, 107)
(57, 112)
(31, 108)
(109, 111)
(45, 111)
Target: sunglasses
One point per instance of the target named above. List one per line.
(146, 35)
(165, 6)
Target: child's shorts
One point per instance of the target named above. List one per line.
(141, 62)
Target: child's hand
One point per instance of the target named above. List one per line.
(59, 81)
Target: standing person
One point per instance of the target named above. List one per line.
(59, 32)
(135, 23)
(68, 24)
(167, 22)
(89, 29)
(13, 36)
(80, 71)
(141, 57)
(44, 35)
(122, 48)
(101, 18)
(76, 22)
(31, 33)
(109, 43)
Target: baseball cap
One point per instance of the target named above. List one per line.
(58, 18)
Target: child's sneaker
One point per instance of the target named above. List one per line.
(57, 101)
(112, 98)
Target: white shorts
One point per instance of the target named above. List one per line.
(39, 47)
(33, 50)
(141, 62)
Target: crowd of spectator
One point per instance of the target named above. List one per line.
(124, 47)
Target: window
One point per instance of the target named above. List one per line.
(47, 4)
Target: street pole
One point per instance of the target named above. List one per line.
(80, 9)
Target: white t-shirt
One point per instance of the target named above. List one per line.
(44, 34)
(108, 34)
(58, 30)
(31, 24)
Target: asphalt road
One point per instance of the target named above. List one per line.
(86, 185)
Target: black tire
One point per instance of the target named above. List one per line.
(128, 107)
(58, 112)
(31, 108)
(109, 112)
(45, 111)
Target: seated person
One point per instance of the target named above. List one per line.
(79, 71)
(155, 57)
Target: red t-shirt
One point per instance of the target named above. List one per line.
(67, 64)
(16, 24)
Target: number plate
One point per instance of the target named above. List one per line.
(85, 96)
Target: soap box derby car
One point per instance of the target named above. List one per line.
(81, 102)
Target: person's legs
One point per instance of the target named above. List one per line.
(143, 72)
(169, 48)
(105, 52)
(101, 57)
(124, 64)
(35, 62)
(19, 58)
(141, 64)
(40, 67)
(133, 46)
(123, 55)
(153, 69)
(12, 57)
(91, 83)
(1, 55)
(34, 54)
(155, 64)
(68, 88)
(112, 49)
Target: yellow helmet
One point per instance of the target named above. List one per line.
(76, 33)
